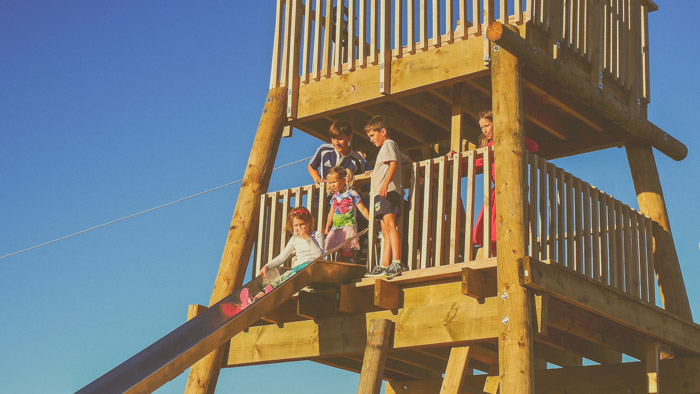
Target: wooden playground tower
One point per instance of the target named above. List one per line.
(577, 271)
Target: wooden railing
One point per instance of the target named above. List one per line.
(318, 39)
(570, 223)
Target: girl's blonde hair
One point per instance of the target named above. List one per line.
(300, 213)
(488, 114)
(342, 173)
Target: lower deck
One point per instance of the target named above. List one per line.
(448, 317)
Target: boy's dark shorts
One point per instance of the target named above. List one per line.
(385, 205)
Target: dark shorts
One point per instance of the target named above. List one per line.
(386, 205)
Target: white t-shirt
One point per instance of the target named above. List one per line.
(305, 250)
(387, 153)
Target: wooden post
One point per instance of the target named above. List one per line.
(515, 344)
(375, 356)
(239, 244)
(651, 203)
(456, 370)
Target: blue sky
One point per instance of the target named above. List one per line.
(110, 108)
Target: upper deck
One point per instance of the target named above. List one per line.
(332, 60)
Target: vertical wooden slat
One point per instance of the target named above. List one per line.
(322, 207)
(338, 47)
(469, 208)
(437, 35)
(645, 52)
(651, 277)
(578, 226)
(620, 249)
(455, 209)
(285, 210)
(566, 22)
(532, 211)
(276, 48)
(543, 230)
(561, 217)
(371, 234)
(411, 26)
(554, 23)
(294, 55)
(489, 12)
(476, 18)
(643, 266)
(316, 63)
(385, 49)
(486, 241)
(574, 24)
(305, 73)
(351, 35)
(583, 27)
(604, 275)
(570, 222)
(552, 189)
(327, 58)
(440, 213)
(518, 11)
(298, 197)
(612, 240)
(462, 31)
(398, 28)
(595, 234)
(607, 35)
(287, 42)
(636, 256)
(423, 25)
(629, 263)
(260, 244)
(427, 203)
(596, 51)
(413, 219)
(636, 60)
(449, 23)
(586, 233)
(374, 33)
(534, 7)
(503, 18)
(616, 25)
(362, 27)
(274, 218)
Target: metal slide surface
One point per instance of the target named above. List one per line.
(171, 355)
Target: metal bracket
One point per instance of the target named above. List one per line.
(505, 320)
(504, 296)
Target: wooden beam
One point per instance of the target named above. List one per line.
(352, 299)
(611, 304)
(430, 325)
(456, 370)
(678, 376)
(600, 101)
(651, 201)
(479, 283)
(375, 356)
(315, 306)
(515, 344)
(239, 243)
(592, 351)
(459, 60)
(434, 111)
(595, 329)
(387, 295)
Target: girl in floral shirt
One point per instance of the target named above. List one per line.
(345, 203)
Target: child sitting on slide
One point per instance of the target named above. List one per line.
(306, 243)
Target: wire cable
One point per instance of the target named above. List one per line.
(140, 213)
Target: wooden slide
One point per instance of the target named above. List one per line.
(178, 350)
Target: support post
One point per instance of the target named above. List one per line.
(515, 344)
(375, 356)
(239, 244)
(456, 370)
(651, 203)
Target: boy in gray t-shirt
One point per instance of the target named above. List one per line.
(388, 194)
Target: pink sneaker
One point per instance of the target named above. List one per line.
(245, 298)
(268, 288)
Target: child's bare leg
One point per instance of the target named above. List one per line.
(386, 239)
(392, 236)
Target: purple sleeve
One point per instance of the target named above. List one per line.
(315, 161)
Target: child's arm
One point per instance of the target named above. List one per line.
(283, 256)
(314, 174)
(387, 179)
(363, 209)
(329, 223)
(316, 243)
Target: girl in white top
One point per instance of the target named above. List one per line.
(306, 243)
